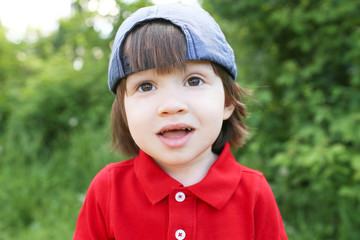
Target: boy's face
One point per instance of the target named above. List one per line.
(175, 118)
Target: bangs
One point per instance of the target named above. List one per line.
(157, 44)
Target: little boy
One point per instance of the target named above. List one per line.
(178, 108)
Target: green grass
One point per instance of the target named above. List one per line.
(43, 190)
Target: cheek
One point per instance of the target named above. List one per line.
(138, 115)
(213, 103)
(211, 109)
(132, 114)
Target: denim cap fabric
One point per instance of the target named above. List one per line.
(204, 38)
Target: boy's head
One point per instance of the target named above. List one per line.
(165, 38)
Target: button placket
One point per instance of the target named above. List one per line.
(182, 214)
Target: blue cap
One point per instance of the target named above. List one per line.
(204, 38)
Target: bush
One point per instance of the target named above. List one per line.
(301, 59)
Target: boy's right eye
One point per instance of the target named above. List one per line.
(146, 87)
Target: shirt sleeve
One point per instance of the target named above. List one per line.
(268, 221)
(92, 219)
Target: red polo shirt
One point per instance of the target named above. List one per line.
(136, 199)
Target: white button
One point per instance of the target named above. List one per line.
(180, 234)
(180, 196)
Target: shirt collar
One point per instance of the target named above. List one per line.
(156, 183)
(215, 189)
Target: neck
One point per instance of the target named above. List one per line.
(192, 173)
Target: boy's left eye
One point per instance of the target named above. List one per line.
(194, 81)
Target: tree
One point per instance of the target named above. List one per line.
(54, 122)
(301, 59)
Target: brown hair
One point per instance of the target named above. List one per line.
(162, 45)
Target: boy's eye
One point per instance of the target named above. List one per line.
(193, 82)
(146, 87)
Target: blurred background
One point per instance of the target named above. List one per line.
(300, 59)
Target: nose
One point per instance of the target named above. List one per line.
(172, 103)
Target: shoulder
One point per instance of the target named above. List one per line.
(251, 172)
(118, 166)
(267, 218)
(106, 176)
(268, 222)
(254, 183)
(251, 176)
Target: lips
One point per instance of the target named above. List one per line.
(175, 136)
(175, 133)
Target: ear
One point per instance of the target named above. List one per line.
(228, 109)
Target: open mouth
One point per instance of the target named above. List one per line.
(176, 133)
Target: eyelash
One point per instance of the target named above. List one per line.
(141, 86)
(200, 81)
(140, 89)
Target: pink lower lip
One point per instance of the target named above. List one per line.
(176, 142)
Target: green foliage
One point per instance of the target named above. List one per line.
(54, 123)
(301, 59)
(9, 66)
